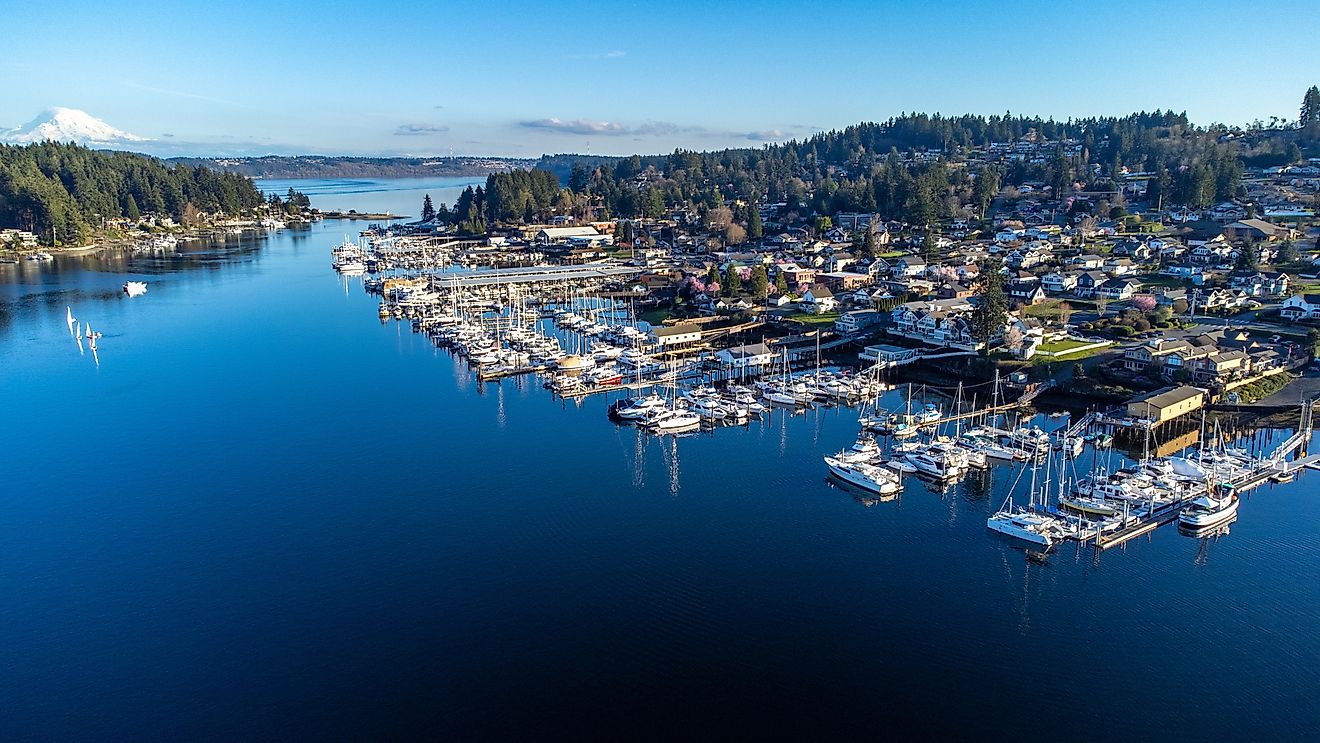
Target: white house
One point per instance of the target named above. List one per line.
(1301, 307)
(851, 322)
(818, 299)
(667, 336)
(753, 355)
(1057, 282)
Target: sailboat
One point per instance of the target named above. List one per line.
(68, 316)
(1023, 523)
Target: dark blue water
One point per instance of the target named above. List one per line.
(265, 514)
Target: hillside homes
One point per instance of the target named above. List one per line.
(940, 322)
(1301, 307)
(1210, 359)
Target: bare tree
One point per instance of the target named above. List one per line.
(1013, 338)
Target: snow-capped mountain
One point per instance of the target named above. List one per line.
(68, 125)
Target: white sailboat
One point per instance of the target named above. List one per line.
(1023, 523)
(68, 315)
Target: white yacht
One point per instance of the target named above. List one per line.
(670, 421)
(934, 465)
(867, 476)
(135, 288)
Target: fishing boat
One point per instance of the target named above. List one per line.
(1209, 510)
(135, 288)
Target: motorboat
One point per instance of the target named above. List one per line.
(1208, 510)
(642, 408)
(934, 464)
(669, 421)
(866, 476)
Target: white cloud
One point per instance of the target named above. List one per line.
(415, 130)
(576, 126)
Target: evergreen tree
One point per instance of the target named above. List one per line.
(1309, 122)
(754, 227)
(760, 281)
(1248, 258)
(428, 209)
(1288, 252)
(732, 280)
(991, 311)
(577, 180)
(781, 282)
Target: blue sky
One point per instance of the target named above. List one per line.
(509, 78)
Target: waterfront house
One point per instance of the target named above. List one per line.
(818, 300)
(670, 336)
(750, 356)
(852, 322)
(1166, 404)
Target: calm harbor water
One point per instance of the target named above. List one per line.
(265, 514)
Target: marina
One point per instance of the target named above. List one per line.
(568, 325)
(384, 485)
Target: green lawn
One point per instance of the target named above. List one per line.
(1061, 346)
(825, 318)
(656, 316)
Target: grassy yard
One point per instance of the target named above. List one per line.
(1062, 346)
(1048, 309)
(656, 316)
(825, 318)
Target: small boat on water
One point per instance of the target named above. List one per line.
(135, 288)
(867, 476)
(1088, 506)
(1208, 510)
(1025, 525)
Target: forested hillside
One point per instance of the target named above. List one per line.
(62, 191)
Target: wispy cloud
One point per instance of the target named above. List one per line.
(183, 94)
(766, 135)
(612, 54)
(614, 128)
(419, 130)
(576, 126)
